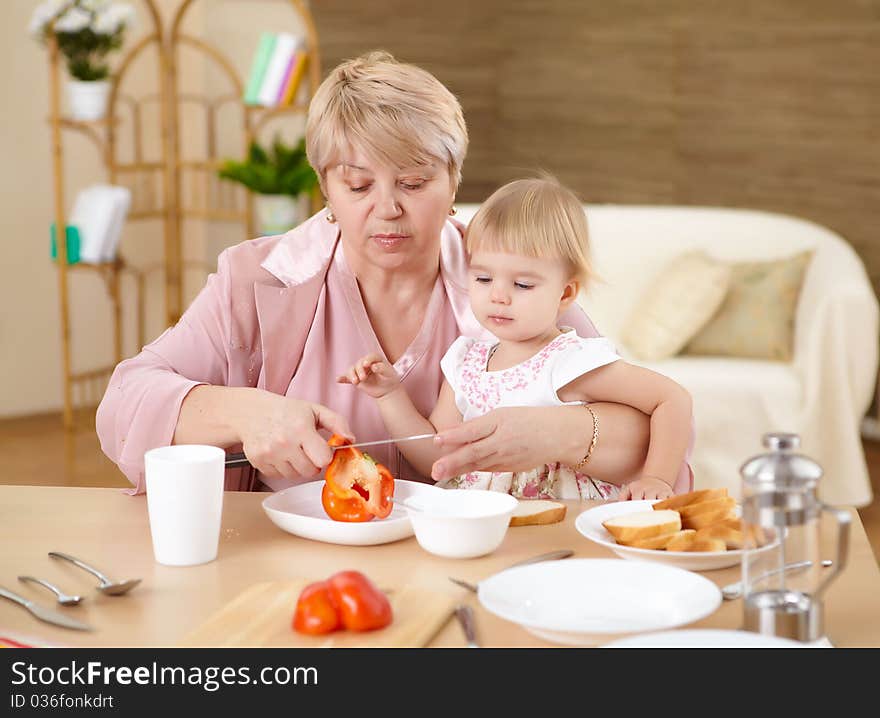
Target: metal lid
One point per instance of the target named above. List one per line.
(780, 467)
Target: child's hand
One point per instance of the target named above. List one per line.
(646, 487)
(372, 375)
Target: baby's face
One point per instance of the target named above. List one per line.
(515, 297)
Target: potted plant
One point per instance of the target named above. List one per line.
(281, 177)
(86, 32)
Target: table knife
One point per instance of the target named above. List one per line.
(48, 615)
(240, 459)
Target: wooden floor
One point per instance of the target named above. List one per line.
(37, 451)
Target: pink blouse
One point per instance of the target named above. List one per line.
(341, 334)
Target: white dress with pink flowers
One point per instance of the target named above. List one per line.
(534, 382)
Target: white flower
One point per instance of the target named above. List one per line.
(94, 5)
(39, 19)
(113, 18)
(74, 20)
(58, 6)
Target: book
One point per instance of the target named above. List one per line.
(288, 72)
(298, 69)
(98, 214)
(120, 198)
(262, 55)
(92, 216)
(285, 46)
(72, 240)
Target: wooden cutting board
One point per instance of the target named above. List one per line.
(260, 617)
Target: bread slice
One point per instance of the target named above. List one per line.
(642, 525)
(710, 544)
(681, 542)
(706, 518)
(692, 497)
(733, 539)
(759, 536)
(732, 523)
(659, 542)
(700, 507)
(537, 511)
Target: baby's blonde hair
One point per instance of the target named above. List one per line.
(536, 218)
(397, 113)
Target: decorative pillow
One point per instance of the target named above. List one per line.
(756, 318)
(680, 301)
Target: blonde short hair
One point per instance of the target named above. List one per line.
(397, 113)
(536, 218)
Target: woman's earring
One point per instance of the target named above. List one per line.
(452, 210)
(331, 218)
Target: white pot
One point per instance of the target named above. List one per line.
(277, 213)
(88, 100)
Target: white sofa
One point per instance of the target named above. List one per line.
(822, 394)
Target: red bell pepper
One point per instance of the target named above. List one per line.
(347, 599)
(316, 610)
(362, 606)
(356, 488)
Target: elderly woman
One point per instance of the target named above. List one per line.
(253, 363)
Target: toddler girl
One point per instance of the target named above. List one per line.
(528, 260)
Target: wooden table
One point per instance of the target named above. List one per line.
(111, 530)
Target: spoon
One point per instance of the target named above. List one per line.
(406, 504)
(63, 598)
(734, 590)
(111, 588)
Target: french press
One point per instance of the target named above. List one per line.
(783, 581)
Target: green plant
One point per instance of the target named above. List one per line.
(281, 170)
(86, 32)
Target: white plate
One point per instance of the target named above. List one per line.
(589, 524)
(590, 601)
(705, 638)
(298, 511)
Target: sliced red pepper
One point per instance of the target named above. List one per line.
(339, 509)
(357, 488)
(316, 610)
(362, 606)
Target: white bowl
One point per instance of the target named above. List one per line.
(461, 523)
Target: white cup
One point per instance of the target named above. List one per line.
(185, 502)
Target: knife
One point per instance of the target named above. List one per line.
(240, 459)
(45, 614)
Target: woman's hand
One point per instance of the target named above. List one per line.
(522, 438)
(646, 487)
(372, 375)
(280, 436)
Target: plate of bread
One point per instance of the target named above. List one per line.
(697, 531)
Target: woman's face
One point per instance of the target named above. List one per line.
(388, 217)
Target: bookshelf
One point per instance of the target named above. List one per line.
(171, 189)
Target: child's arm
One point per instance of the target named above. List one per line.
(378, 379)
(666, 402)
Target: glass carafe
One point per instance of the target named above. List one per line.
(783, 580)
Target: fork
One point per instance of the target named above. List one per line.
(551, 556)
(465, 616)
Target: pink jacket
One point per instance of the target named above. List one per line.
(246, 328)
